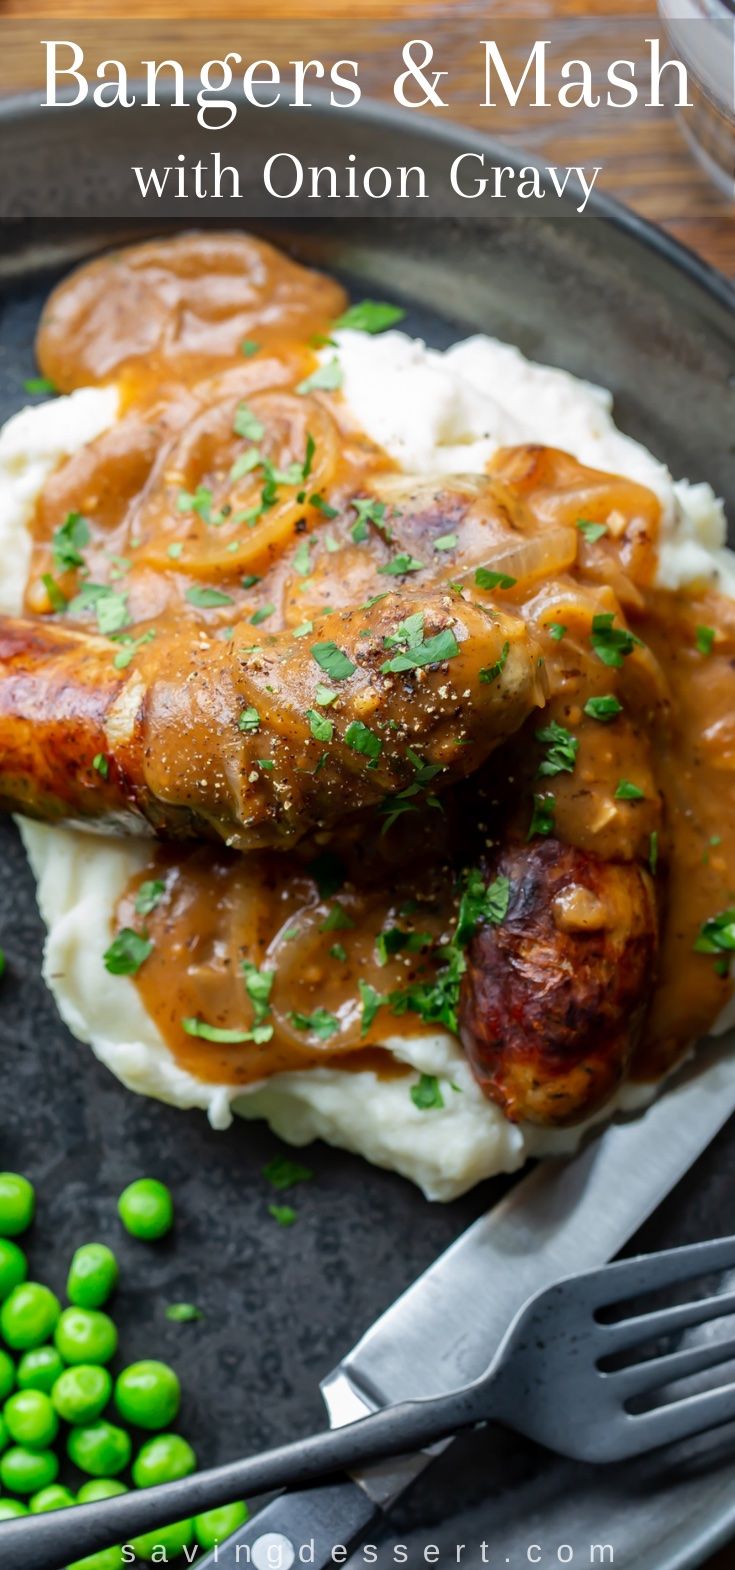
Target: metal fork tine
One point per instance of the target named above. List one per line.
(651, 1273)
(664, 1322)
(681, 1419)
(642, 1377)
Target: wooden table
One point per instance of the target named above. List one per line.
(648, 164)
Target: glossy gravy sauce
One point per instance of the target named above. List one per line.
(195, 331)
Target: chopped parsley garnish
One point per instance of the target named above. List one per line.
(127, 952)
(704, 638)
(247, 424)
(258, 985)
(249, 721)
(111, 607)
(400, 565)
(338, 920)
(39, 386)
(303, 630)
(591, 531)
(250, 580)
(492, 672)
(436, 1001)
(338, 951)
(245, 464)
(249, 347)
(333, 661)
(324, 695)
(611, 644)
(68, 540)
(327, 378)
(485, 579)
(653, 852)
(131, 646)
(321, 1023)
(625, 791)
(112, 613)
(423, 651)
(481, 902)
(321, 728)
(205, 598)
(717, 934)
(561, 749)
(265, 763)
(369, 316)
(542, 818)
(395, 941)
(101, 765)
(175, 549)
(603, 709)
(56, 597)
(199, 501)
(372, 1001)
(262, 614)
(556, 630)
(149, 895)
(362, 739)
(426, 1094)
(183, 1313)
(224, 1037)
(301, 559)
(368, 511)
(285, 1215)
(282, 1173)
(446, 542)
(315, 500)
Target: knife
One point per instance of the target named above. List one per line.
(568, 1215)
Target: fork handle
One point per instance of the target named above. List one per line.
(51, 1541)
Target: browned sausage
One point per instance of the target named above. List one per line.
(553, 999)
(201, 737)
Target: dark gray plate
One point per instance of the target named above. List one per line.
(609, 299)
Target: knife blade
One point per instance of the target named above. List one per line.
(568, 1215)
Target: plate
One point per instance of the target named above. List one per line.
(608, 298)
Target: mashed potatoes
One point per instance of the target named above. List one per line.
(433, 412)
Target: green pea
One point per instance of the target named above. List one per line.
(146, 1209)
(4, 1435)
(28, 1316)
(40, 1369)
(56, 1497)
(13, 1267)
(172, 1539)
(214, 1526)
(82, 1393)
(93, 1275)
(100, 1488)
(10, 1509)
(108, 1559)
(163, 1460)
(7, 1375)
(148, 1394)
(84, 1335)
(17, 1204)
(25, 1471)
(31, 1419)
(100, 1449)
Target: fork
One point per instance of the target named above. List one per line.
(547, 1381)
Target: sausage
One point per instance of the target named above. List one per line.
(554, 997)
(262, 738)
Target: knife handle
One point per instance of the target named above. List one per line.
(297, 1524)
